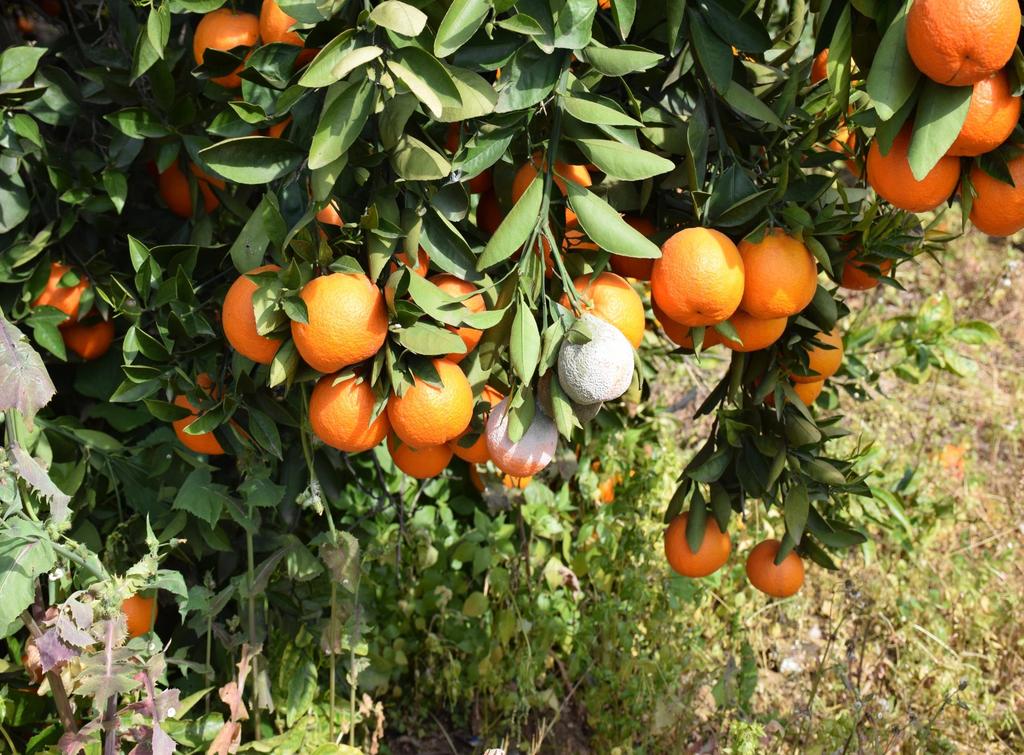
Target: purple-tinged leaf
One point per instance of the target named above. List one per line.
(71, 634)
(161, 743)
(24, 383)
(53, 651)
(72, 744)
(33, 473)
(107, 674)
(81, 614)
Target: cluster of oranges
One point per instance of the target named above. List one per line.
(779, 580)
(961, 43)
(89, 337)
(705, 291)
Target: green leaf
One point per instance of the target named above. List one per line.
(591, 108)
(624, 13)
(264, 225)
(618, 61)
(624, 161)
(137, 123)
(483, 151)
(426, 78)
(696, 521)
(524, 345)
(302, 688)
(797, 506)
(252, 160)
(573, 24)
(18, 63)
(399, 17)
(459, 24)
(737, 25)
(345, 113)
(714, 55)
(527, 80)
(116, 184)
(158, 28)
(14, 202)
(941, 112)
(477, 97)
(199, 496)
(893, 76)
(975, 333)
(475, 606)
(431, 340)
(303, 11)
(745, 102)
(515, 229)
(606, 228)
(25, 553)
(713, 468)
(415, 161)
(337, 59)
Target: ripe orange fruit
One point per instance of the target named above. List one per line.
(526, 456)
(64, 298)
(634, 267)
(329, 215)
(520, 483)
(680, 335)
(889, 175)
(177, 195)
(998, 208)
(698, 280)
(611, 298)
(993, 113)
(422, 262)
(276, 129)
(819, 68)
(488, 212)
(140, 614)
(578, 174)
(781, 275)
(856, 278)
(806, 392)
(347, 321)
(475, 479)
(606, 489)
(239, 320)
(822, 361)
(477, 453)
(224, 29)
(779, 581)
(275, 25)
(755, 334)
(429, 415)
(204, 443)
(575, 240)
(341, 414)
(421, 463)
(89, 341)
(809, 392)
(710, 556)
(960, 42)
(604, 4)
(459, 288)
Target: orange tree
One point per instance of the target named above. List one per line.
(305, 274)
